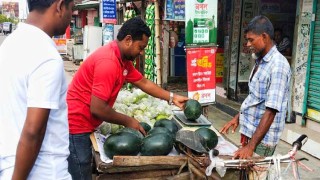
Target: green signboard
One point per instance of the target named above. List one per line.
(201, 22)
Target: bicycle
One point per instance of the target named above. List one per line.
(261, 164)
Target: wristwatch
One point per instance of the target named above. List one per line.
(171, 98)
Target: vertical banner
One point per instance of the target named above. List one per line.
(109, 11)
(107, 33)
(201, 22)
(201, 74)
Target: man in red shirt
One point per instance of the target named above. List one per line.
(95, 87)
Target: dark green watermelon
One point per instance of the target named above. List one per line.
(122, 143)
(209, 135)
(159, 144)
(157, 130)
(166, 123)
(132, 131)
(192, 109)
(145, 126)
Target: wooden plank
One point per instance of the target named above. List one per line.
(94, 142)
(160, 174)
(149, 160)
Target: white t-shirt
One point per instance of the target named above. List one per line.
(32, 75)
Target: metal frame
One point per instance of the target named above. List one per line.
(306, 90)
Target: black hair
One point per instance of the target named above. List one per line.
(43, 4)
(134, 27)
(278, 30)
(260, 24)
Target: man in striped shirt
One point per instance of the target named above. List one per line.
(283, 43)
(262, 114)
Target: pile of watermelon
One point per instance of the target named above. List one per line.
(159, 140)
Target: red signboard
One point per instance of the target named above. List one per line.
(201, 74)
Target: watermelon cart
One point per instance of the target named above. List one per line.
(173, 149)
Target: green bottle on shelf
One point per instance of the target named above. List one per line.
(212, 31)
(189, 32)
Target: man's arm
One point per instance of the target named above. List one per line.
(101, 110)
(30, 141)
(154, 90)
(262, 129)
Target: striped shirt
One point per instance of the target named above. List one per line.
(283, 45)
(269, 87)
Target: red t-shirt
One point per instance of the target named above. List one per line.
(102, 74)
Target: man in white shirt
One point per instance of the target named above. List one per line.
(33, 113)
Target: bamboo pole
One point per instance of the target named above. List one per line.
(157, 39)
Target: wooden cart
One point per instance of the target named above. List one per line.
(155, 167)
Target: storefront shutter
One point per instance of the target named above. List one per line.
(313, 93)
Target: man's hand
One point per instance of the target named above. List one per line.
(244, 152)
(134, 124)
(179, 100)
(234, 123)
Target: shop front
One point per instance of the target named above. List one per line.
(239, 62)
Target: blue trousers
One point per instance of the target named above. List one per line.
(80, 159)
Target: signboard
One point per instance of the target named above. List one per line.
(61, 44)
(201, 74)
(109, 11)
(10, 9)
(175, 10)
(201, 22)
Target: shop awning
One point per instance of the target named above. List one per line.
(87, 5)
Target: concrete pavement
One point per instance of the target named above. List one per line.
(219, 118)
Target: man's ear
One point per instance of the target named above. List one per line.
(128, 40)
(59, 6)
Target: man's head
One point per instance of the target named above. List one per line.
(277, 35)
(55, 15)
(133, 37)
(259, 34)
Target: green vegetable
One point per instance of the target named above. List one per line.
(192, 109)
(209, 135)
(105, 128)
(166, 123)
(157, 145)
(123, 143)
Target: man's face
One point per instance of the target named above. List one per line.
(256, 43)
(66, 15)
(135, 48)
(277, 36)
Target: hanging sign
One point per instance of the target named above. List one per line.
(201, 22)
(201, 74)
(109, 11)
(175, 10)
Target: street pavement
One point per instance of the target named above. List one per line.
(219, 118)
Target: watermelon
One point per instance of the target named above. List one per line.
(157, 130)
(122, 143)
(209, 135)
(159, 144)
(145, 126)
(192, 109)
(132, 131)
(166, 123)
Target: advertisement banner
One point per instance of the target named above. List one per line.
(201, 22)
(109, 11)
(201, 74)
(61, 44)
(175, 10)
(10, 9)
